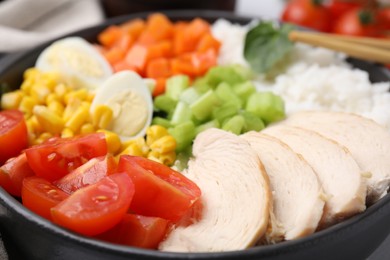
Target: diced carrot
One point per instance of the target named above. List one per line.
(146, 39)
(137, 57)
(208, 42)
(179, 26)
(160, 87)
(158, 68)
(134, 27)
(188, 38)
(110, 35)
(114, 55)
(203, 61)
(159, 26)
(183, 65)
(124, 43)
(160, 49)
(123, 65)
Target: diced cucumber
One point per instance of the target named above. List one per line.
(201, 85)
(225, 93)
(161, 121)
(226, 74)
(226, 110)
(164, 103)
(176, 85)
(210, 124)
(203, 106)
(245, 72)
(189, 96)
(183, 133)
(244, 90)
(252, 122)
(181, 114)
(234, 124)
(267, 106)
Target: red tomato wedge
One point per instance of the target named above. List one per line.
(96, 208)
(13, 172)
(13, 134)
(40, 196)
(59, 156)
(139, 231)
(89, 173)
(159, 190)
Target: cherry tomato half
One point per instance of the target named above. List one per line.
(159, 190)
(96, 208)
(13, 172)
(139, 231)
(89, 173)
(308, 13)
(59, 156)
(13, 134)
(40, 196)
(339, 7)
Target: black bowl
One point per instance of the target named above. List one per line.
(32, 237)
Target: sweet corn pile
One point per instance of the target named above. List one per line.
(52, 108)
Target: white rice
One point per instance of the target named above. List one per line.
(313, 78)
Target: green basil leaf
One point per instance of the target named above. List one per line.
(266, 45)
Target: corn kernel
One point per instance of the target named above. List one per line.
(61, 90)
(27, 104)
(133, 149)
(57, 107)
(90, 97)
(80, 94)
(77, 119)
(40, 92)
(140, 142)
(31, 73)
(11, 100)
(50, 79)
(31, 138)
(33, 125)
(154, 156)
(45, 135)
(113, 141)
(49, 121)
(87, 128)
(102, 116)
(53, 97)
(164, 144)
(168, 158)
(71, 108)
(67, 132)
(154, 133)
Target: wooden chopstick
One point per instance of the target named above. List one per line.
(377, 50)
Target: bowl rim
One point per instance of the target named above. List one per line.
(13, 205)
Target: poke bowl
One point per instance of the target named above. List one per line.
(34, 237)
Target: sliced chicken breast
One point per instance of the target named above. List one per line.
(235, 196)
(339, 174)
(297, 195)
(368, 142)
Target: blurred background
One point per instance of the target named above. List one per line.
(26, 23)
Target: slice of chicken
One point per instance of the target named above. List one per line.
(339, 174)
(368, 142)
(235, 196)
(297, 195)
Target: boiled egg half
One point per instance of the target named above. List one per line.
(80, 64)
(130, 99)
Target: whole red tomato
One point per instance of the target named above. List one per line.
(308, 13)
(359, 22)
(384, 17)
(339, 7)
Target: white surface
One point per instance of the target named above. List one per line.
(268, 9)
(27, 23)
